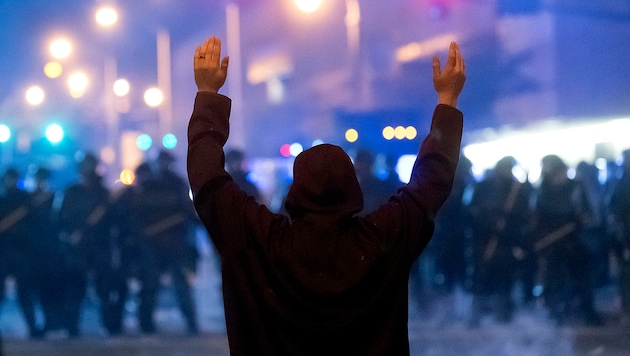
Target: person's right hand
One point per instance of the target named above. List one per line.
(449, 82)
(210, 74)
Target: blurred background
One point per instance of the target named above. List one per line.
(115, 78)
(346, 72)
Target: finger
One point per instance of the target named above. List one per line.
(460, 59)
(452, 55)
(436, 66)
(225, 63)
(216, 49)
(204, 47)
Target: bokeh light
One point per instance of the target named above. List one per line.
(296, 149)
(127, 176)
(411, 133)
(77, 83)
(153, 97)
(169, 141)
(35, 95)
(400, 132)
(388, 133)
(144, 142)
(54, 133)
(60, 48)
(285, 150)
(121, 87)
(5, 133)
(308, 6)
(106, 16)
(352, 135)
(53, 69)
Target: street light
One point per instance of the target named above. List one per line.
(308, 6)
(35, 95)
(106, 16)
(78, 83)
(60, 48)
(360, 86)
(153, 97)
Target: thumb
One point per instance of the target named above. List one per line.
(436, 66)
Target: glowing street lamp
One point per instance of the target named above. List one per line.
(60, 48)
(153, 97)
(5, 133)
(78, 83)
(35, 95)
(106, 16)
(121, 87)
(54, 133)
(308, 6)
(53, 69)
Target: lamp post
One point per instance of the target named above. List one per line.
(352, 22)
(107, 17)
(233, 32)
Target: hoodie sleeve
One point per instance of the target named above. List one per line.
(231, 217)
(405, 222)
(434, 169)
(208, 131)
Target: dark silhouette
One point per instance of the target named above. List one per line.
(620, 208)
(86, 223)
(499, 208)
(324, 281)
(16, 247)
(47, 251)
(562, 211)
(157, 227)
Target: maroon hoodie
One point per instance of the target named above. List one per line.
(324, 281)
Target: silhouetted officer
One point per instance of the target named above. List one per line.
(162, 213)
(46, 250)
(500, 210)
(16, 247)
(85, 231)
(562, 210)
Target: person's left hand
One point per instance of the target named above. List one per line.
(210, 71)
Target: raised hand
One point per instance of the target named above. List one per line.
(210, 69)
(449, 82)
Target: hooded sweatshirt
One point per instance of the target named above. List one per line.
(323, 281)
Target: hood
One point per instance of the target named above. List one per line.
(324, 181)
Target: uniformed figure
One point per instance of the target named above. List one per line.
(561, 212)
(163, 213)
(451, 239)
(620, 207)
(499, 210)
(16, 247)
(86, 225)
(46, 251)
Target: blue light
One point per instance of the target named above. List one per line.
(5, 133)
(169, 141)
(144, 142)
(54, 133)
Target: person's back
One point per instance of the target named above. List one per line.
(322, 281)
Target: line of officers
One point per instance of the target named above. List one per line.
(562, 234)
(98, 238)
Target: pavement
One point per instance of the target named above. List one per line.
(437, 326)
